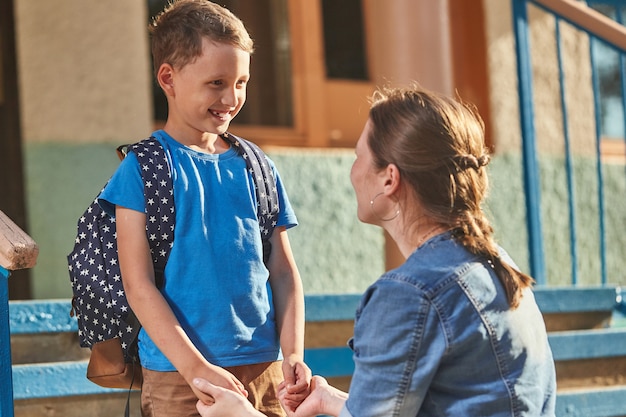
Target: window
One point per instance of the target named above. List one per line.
(344, 44)
(608, 64)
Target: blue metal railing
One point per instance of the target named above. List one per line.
(6, 388)
(596, 101)
(569, 167)
(529, 150)
(19, 251)
(599, 28)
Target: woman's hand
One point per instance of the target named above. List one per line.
(221, 378)
(323, 399)
(224, 402)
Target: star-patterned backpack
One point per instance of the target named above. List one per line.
(106, 324)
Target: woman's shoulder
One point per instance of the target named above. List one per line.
(434, 262)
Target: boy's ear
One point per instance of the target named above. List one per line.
(165, 78)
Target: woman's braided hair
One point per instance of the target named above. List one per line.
(437, 143)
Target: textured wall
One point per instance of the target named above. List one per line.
(506, 205)
(334, 251)
(84, 70)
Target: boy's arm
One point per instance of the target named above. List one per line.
(288, 298)
(153, 311)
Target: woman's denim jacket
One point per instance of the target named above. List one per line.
(436, 337)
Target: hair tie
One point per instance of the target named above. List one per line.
(483, 160)
(470, 161)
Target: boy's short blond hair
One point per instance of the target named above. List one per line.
(177, 32)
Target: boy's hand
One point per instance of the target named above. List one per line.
(296, 385)
(220, 377)
(310, 406)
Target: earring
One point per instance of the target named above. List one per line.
(376, 214)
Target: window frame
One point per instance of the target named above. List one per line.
(613, 148)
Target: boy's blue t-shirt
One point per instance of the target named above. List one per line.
(215, 279)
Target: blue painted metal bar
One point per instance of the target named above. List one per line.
(532, 184)
(614, 3)
(599, 172)
(52, 316)
(568, 345)
(570, 300)
(332, 307)
(622, 66)
(587, 344)
(41, 316)
(60, 379)
(6, 387)
(619, 14)
(568, 159)
(605, 402)
(330, 362)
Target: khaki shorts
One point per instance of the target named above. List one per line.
(167, 394)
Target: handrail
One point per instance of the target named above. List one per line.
(530, 164)
(6, 388)
(598, 27)
(583, 16)
(17, 251)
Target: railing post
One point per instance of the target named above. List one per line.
(6, 376)
(529, 152)
(17, 251)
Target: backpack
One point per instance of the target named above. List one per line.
(106, 324)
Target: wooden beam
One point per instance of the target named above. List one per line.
(588, 19)
(17, 249)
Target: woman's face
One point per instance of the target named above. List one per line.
(362, 176)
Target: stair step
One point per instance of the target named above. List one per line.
(590, 357)
(54, 379)
(588, 344)
(101, 405)
(605, 402)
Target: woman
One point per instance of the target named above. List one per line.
(455, 330)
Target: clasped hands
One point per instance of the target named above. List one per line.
(229, 403)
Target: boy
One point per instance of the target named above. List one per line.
(220, 314)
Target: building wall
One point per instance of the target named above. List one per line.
(85, 87)
(84, 70)
(334, 251)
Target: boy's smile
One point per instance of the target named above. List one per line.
(206, 94)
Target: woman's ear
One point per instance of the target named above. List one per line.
(391, 179)
(165, 78)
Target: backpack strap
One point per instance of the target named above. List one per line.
(265, 186)
(160, 213)
(159, 197)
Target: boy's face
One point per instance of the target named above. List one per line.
(206, 94)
